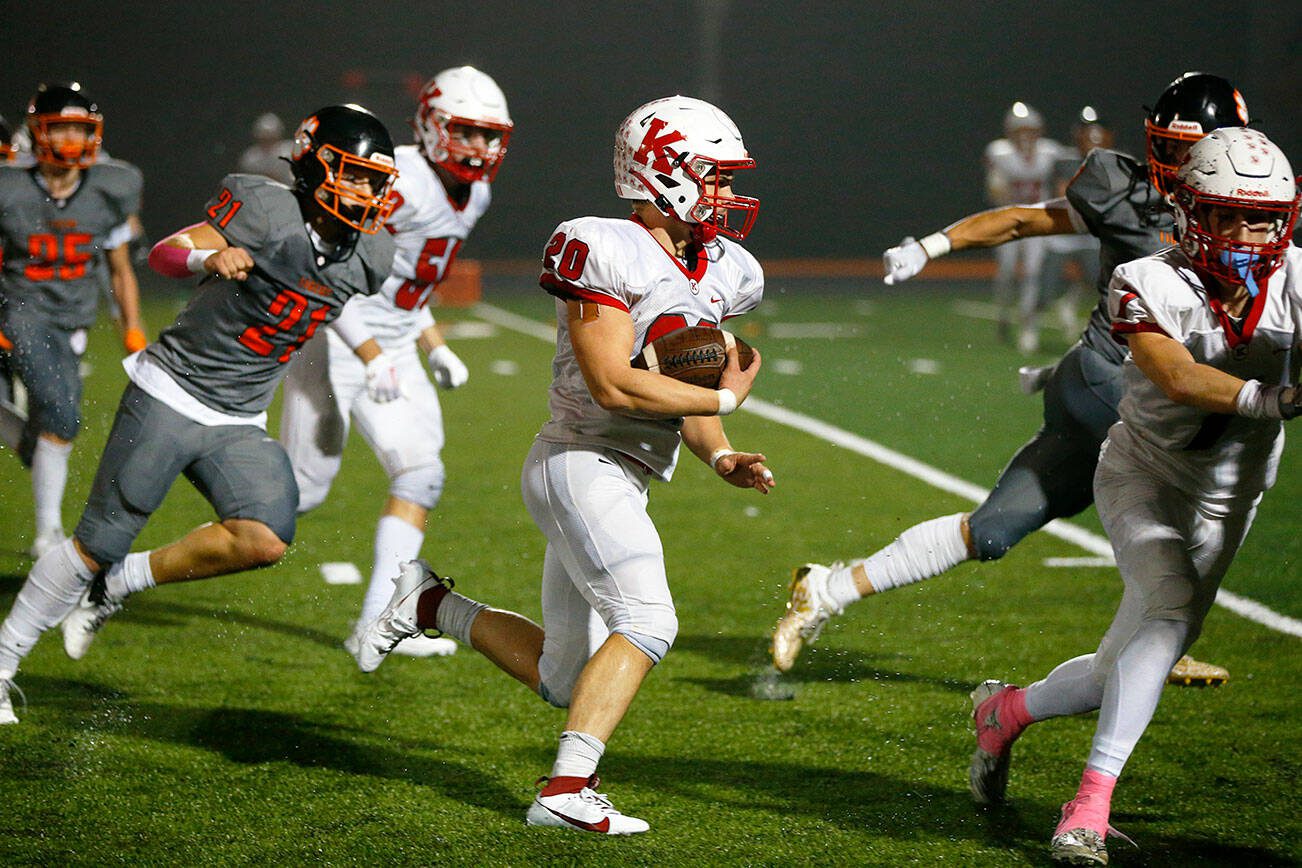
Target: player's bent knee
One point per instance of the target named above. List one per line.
(652, 646)
(419, 485)
(259, 545)
(557, 696)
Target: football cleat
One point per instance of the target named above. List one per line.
(987, 774)
(808, 610)
(6, 704)
(1033, 378)
(46, 540)
(426, 646)
(1078, 844)
(370, 645)
(1190, 672)
(584, 811)
(87, 617)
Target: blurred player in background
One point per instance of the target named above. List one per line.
(6, 141)
(608, 615)
(1124, 204)
(1078, 253)
(1019, 169)
(62, 221)
(1213, 327)
(270, 152)
(197, 400)
(366, 367)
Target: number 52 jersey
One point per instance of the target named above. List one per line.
(228, 348)
(53, 251)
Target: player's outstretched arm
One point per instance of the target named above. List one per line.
(1171, 367)
(200, 249)
(704, 435)
(983, 229)
(602, 337)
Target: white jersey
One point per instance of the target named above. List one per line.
(1027, 179)
(619, 263)
(428, 230)
(1226, 461)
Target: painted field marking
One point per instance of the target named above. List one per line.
(1078, 536)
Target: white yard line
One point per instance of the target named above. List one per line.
(1079, 536)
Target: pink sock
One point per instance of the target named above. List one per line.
(1092, 805)
(1009, 707)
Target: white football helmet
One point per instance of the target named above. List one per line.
(675, 152)
(1021, 116)
(464, 97)
(1239, 168)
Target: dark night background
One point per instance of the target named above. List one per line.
(867, 119)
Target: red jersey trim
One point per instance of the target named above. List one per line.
(1121, 329)
(566, 290)
(697, 273)
(1249, 322)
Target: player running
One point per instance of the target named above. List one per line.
(608, 615)
(1212, 326)
(63, 220)
(197, 400)
(1126, 207)
(366, 367)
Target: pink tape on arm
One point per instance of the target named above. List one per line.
(169, 260)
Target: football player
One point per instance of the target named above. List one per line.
(197, 400)
(367, 366)
(62, 221)
(1019, 168)
(270, 152)
(608, 615)
(1212, 326)
(6, 141)
(1123, 203)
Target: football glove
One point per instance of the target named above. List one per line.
(382, 385)
(1290, 402)
(903, 261)
(448, 370)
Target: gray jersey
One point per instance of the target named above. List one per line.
(1129, 217)
(53, 249)
(229, 347)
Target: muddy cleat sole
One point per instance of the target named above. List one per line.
(987, 773)
(806, 614)
(1078, 847)
(1188, 672)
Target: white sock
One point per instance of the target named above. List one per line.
(129, 575)
(49, 478)
(396, 542)
(1071, 688)
(922, 551)
(578, 755)
(841, 590)
(457, 615)
(52, 588)
(1133, 690)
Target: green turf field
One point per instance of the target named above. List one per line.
(221, 722)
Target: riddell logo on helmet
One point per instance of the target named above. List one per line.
(1185, 127)
(653, 141)
(1258, 194)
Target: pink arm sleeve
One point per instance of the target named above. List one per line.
(169, 260)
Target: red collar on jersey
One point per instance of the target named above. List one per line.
(695, 274)
(1258, 304)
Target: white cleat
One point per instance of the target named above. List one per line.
(87, 617)
(373, 642)
(584, 811)
(7, 715)
(426, 646)
(46, 540)
(808, 610)
(1033, 378)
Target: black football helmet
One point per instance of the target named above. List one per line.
(56, 105)
(1191, 107)
(6, 140)
(343, 163)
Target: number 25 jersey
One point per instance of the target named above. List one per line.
(228, 348)
(620, 264)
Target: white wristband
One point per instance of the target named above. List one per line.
(936, 245)
(727, 401)
(195, 259)
(1256, 401)
(717, 454)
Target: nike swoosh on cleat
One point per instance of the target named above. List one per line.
(603, 826)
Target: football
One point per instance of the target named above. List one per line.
(695, 354)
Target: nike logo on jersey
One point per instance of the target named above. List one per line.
(714, 300)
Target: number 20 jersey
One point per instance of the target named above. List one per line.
(53, 253)
(228, 348)
(619, 264)
(1223, 460)
(428, 230)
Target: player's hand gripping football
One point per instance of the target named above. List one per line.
(232, 263)
(903, 261)
(737, 379)
(448, 370)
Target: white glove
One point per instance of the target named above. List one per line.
(382, 383)
(904, 261)
(448, 370)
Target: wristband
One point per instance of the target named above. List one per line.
(1256, 401)
(717, 454)
(195, 259)
(727, 401)
(936, 245)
